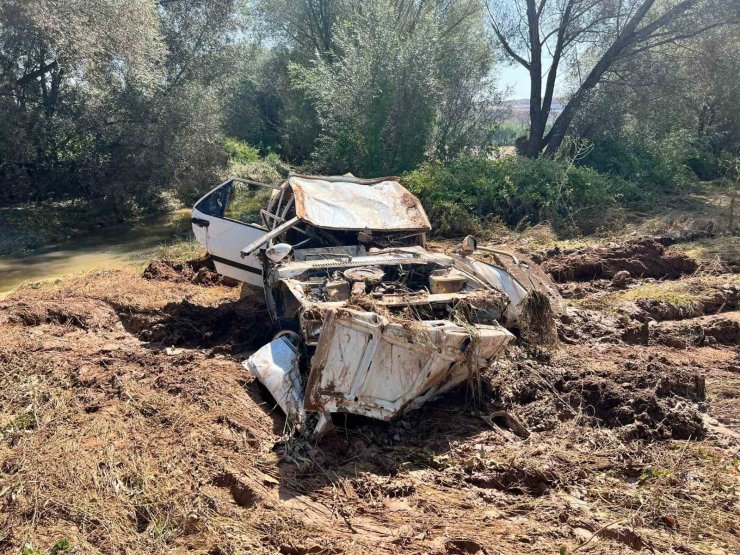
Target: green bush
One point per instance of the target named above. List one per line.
(240, 152)
(460, 196)
(659, 164)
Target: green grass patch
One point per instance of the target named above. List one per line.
(185, 248)
(681, 293)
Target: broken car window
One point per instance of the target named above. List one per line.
(245, 201)
(215, 203)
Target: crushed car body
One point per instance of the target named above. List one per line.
(372, 322)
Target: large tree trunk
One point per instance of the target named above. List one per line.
(533, 145)
(555, 136)
(630, 40)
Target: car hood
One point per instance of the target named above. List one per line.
(351, 204)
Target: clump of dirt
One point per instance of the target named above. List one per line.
(641, 258)
(522, 479)
(647, 398)
(370, 486)
(200, 271)
(675, 236)
(538, 321)
(235, 326)
(658, 309)
(650, 322)
(169, 270)
(582, 289)
(711, 299)
(576, 326)
(83, 313)
(696, 332)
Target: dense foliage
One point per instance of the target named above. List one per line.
(128, 106)
(671, 116)
(460, 197)
(372, 87)
(112, 101)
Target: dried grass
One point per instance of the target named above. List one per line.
(686, 293)
(716, 255)
(537, 322)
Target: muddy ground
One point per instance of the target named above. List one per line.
(128, 425)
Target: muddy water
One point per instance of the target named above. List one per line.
(110, 247)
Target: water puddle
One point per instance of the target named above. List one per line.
(111, 247)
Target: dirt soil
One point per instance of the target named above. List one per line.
(644, 258)
(200, 271)
(128, 425)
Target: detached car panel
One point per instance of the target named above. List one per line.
(369, 365)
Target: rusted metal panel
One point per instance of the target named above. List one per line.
(353, 206)
(370, 365)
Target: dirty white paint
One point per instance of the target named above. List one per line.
(352, 206)
(369, 365)
(275, 365)
(377, 363)
(224, 240)
(503, 281)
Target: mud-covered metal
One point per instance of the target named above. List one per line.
(276, 366)
(355, 205)
(368, 364)
(378, 324)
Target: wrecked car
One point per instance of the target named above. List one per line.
(372, 323)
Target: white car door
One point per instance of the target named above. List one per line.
(224, 222)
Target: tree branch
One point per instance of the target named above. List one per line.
(505, 43)
(43, 70)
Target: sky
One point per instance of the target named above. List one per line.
(516, 78)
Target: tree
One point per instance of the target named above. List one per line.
(674, 108)
(557, 33)
(306, 25)
(112, 100)
(407, 80)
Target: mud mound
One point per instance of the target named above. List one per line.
(712, 300)
(576, 326)
(684, 235)
(656, 309)
(641, 258)
(523, 480)
(647, 399)
(696, 332)
(170, 270)
(131, 415)
(233, 326)
(83, 313)
(177, 450)
(582, 289)
(200, 271)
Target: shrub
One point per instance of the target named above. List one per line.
(659, 164)
(240, 152)
(519, 191)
